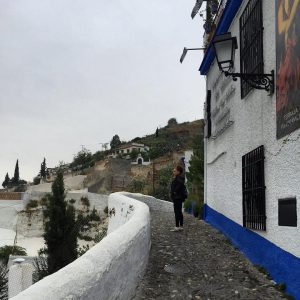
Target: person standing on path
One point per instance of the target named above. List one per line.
(177, 196)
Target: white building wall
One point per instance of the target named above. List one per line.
(19, 278)
(254, 125)
(187, 158)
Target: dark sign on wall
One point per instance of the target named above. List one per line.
(287, 212)
(288, 66)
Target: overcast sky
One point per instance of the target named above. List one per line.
(76, 72)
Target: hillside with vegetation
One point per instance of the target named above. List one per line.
(107, 172)
(166, 146)
(172, 137)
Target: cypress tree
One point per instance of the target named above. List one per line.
(60, 230)
(43, 171)
(115, 142)
(16, 177)
(6, 181)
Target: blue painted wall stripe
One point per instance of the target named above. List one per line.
(282, 265)
(228, 15)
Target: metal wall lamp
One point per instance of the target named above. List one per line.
(185, 50)
(225, 46)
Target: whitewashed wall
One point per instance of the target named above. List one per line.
(111, 269)
(8, 213)
(19, 278)
(254, 125)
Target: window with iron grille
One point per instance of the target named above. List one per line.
(254, 201)
(251, 42)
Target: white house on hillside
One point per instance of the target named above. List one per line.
(128, 148)
(252, 144)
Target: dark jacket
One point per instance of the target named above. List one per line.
(177, 188)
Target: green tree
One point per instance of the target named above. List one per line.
(156, 132)
(16, 178)
(159, 149)
(3, 282)
(115, 142)
(145, 156)
(137, 186)
(36, 180)
(41, 267)
(6, 251)
(43, 171)
(6, 181)
(162, 189)
(99, 155)
(60, 230)
(134, 154)
(195, 175)
(94, 216)
(83, 159)
(172, 122)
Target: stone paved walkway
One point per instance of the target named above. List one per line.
(203, 263)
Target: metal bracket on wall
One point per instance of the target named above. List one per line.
(258, 81)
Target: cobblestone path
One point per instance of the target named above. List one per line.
(201, 263)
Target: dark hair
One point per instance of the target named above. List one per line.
(179, 169)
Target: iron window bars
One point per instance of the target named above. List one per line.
(251, 44)
(254, 201)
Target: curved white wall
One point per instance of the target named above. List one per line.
(111, 269)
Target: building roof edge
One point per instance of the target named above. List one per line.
(230, 10)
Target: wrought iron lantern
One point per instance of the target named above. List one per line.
(224, 46)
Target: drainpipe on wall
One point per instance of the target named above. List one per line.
(205, 178)
(205, 156)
